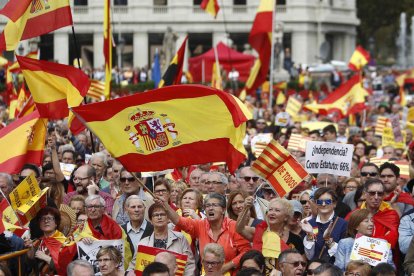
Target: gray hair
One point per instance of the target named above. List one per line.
(223, 178)
(93, 197)
(132, 197)
(9, 179)
(101, 155)
(220, 197)
(67, 147)
(329, 176)
(287, 206)
(283, 256)
(215, 249)
(238, 172)
(81, 263)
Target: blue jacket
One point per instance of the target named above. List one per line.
(406, 231)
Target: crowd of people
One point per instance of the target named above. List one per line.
(224, 224)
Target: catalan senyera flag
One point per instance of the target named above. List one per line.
(260, 38)
(382, 122)
(54, 87)
(210, 6)
(297, 142)
(347, 99)
(146, 255)
(37, 18)
(293, 106)
(96, 90)
(107, 48)
(359, 59)
(174, 72)
(170, 127)
(22, 142)
(279, 167)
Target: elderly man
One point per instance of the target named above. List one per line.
(83, 180)
(291, 263)
(249, 182)
(137, 228)
(169, 260)
(99, 161)
(80, 267)
(194, 180)
(129, 186)
(6, 185)
(216, 182)
(114, 180)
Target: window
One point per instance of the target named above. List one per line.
(160, 2)
(120, 2)
(197, 2)
(281, 2)
(80, 2)
(239, 2)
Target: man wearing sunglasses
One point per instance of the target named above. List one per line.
(249, 182)
(291, 263)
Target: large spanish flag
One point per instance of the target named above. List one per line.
(210, 6)
(359, 58)
(175, 70)
(39, 17)
(22, 142)
(348, 99)
(15, 67)
(107, 48)
(260, 38)
(170, 127)
(54, 87)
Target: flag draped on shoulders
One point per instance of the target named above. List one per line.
(31, 19)
(53, 245)
(22, 142)
(260, 38)
(175, 70)
(170, 127)
(210, 6)
(54, 87)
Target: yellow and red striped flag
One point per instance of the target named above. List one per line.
(54, 87)
(33, 18)
(153, 131)
(146, 255)
(260, 38)
(96, 90)
(210, 6)
(279, 167)
(380, 125)
(28, 107)
(359, 59)
(293, 106)
(297, 142)
(175, 70)
(22, 142)
(107, 48)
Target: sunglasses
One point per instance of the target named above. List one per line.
(124, 179)
(372, 193)
(303, 202)
(297, 263)
(248, 178)
(320, 202)
(372, 174)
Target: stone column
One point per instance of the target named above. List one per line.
(61, 48)
(140, 48)
(98, 56)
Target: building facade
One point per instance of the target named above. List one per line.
(139, 27)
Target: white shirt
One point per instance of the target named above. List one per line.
(135, 235)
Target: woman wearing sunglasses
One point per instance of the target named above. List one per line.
(360, 224)
(324, 231)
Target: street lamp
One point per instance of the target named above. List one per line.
(21, 49)
(120, 50)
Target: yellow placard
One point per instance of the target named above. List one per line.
(388, 139)
(26, 190)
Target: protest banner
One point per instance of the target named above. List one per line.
(27, 199)
(380, 125)
(280, 168)
(146, 255)
(88, 252)
(396, 129)
(332, 158)
(389, 140)
(370, 250)
(67, 169)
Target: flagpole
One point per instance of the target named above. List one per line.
(80, 68)
(270, 105)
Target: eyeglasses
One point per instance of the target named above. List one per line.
(372, 174)
(352, 273)
(212, 205)
(90, 207)
(303, 202)
(104, 260)
(160, 191)
(79, 179)
(373, 193)
(322, 201)
(80, 221)
(213, 182)
(124, 179)
(296, 264)
(159, 215)
(47, 219)
(211, 264)
(248, 178)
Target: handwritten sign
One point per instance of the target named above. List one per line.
(370, 250)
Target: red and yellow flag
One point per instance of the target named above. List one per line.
(32, 19)
(359, 59)
(107, 48)
(348, 99)
(280, 168)
(28, 107)
(175, 70)
(146, 255)
(216, 80)
(170, 127)
(54, 87)
(210, 6)
(22, 142)
(96, 90)
(260, 38)
(15, 67)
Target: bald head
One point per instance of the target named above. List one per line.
(169, 260)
